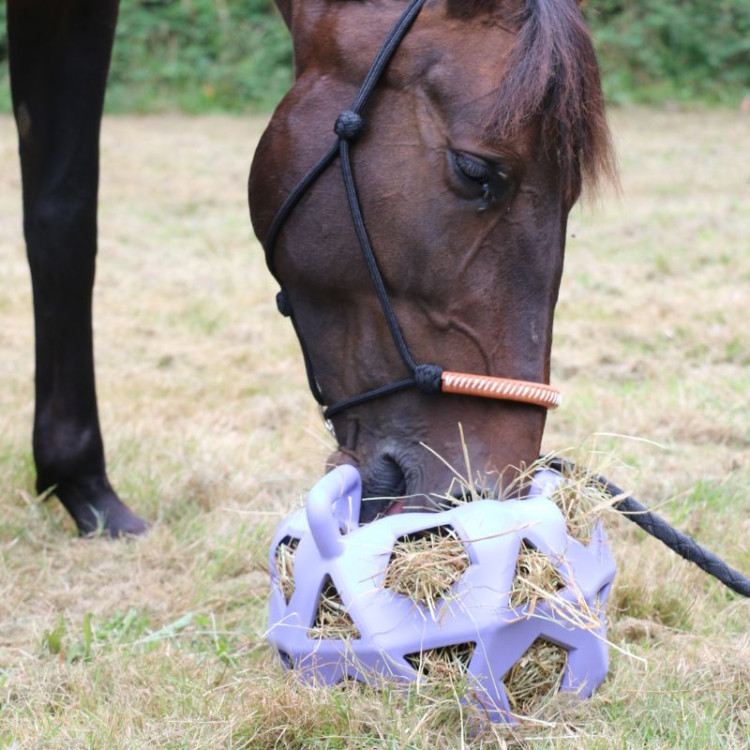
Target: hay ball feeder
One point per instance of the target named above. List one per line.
(512, 587)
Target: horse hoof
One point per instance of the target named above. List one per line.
(98, 512)
(112, 519)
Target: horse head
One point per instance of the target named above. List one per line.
(466, 151)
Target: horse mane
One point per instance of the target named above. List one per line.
(553, 78)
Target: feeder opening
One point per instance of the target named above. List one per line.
(536, 677)
(445, 662)
(332, 621)
(284, 558)
(424, 565)
(536, 578)
(580, 499)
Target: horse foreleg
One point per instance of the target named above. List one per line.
(59, 59)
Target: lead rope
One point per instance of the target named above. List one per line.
(657, 527)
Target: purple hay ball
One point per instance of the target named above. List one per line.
(332, 555)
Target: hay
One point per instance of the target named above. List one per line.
(425, 565)
(447, 663)
(332, 621)
(537, 581)
(581, 499)
(536, 578)
(535, 678)
(285, 566)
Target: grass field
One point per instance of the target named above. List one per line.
(211, 433)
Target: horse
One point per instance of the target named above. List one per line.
(411, 192)
(485, 126)
(59, 59)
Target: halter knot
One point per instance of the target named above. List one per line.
(349, 125)
(428, 378)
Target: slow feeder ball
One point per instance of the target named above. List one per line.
(333, 617)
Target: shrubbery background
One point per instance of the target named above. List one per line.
(235, 55)
(651, 50)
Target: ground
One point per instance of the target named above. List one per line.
(211, 432)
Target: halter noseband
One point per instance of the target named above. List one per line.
(427, 378)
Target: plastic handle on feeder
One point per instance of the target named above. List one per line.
(339, 490)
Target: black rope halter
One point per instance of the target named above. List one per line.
(348, 127)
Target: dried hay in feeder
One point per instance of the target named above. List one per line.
(581, 500)
(332, 621)
(447, 663)
(535, 678)
(284, 559)
(424, 566)
(536, 579)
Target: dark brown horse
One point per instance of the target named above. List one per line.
(476, 144)
(59, 57)
(466, 157)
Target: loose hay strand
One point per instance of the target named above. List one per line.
(580, 497)
(445, 663)
(285, 553)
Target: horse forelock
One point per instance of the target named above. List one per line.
(552, 77)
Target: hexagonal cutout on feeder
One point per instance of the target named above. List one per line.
(284, 562)
(424, 565)
(536, 677)
(332, 621)
(536, 578)
(582, 499)
(444, 662)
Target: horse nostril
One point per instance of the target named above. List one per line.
(382, 481)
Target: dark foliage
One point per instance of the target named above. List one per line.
(192, 55)
(672, 49)
(199, 55)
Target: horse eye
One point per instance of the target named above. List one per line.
(472, 167)
(480, 178)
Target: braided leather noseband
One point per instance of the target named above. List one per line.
(427, 378)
